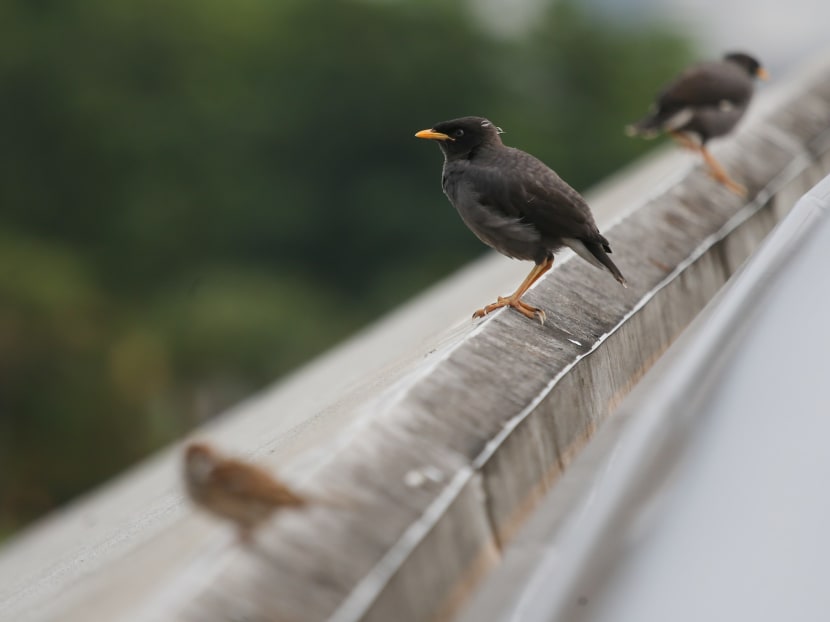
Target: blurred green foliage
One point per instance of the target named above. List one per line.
(196, 196)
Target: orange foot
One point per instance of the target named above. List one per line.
(512, 301)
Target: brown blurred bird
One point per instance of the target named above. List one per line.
(235, 490)
(515, 204)
(705, 101)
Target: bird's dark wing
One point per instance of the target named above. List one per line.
(707, 84)
(521, 186)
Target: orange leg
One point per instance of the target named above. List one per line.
(715, 169)
(513, 300)
(718, 172)
(685, 141)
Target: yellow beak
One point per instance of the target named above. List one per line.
(762, 74)
(432, 135)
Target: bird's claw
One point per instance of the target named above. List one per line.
(532, 313)
(529, 312)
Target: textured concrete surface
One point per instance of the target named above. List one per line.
(702, 497)
(440, 433)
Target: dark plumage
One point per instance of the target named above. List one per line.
(705, 101)
(515, 204)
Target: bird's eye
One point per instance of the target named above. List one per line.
(458, 133)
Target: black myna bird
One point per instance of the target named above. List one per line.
(515, 204)
(705, 101)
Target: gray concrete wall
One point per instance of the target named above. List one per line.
(437, 434)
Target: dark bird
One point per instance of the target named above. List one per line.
(234, 490)
(515, 204)
(705, 101)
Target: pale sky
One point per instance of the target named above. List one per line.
(778, 32)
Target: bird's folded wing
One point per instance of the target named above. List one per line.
(537, 195)
(705, 85)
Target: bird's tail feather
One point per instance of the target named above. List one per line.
(597, 255)
(647, 127)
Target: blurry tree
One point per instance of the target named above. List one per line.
(196, 196)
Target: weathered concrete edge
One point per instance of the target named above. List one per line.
(502, 453)
(644, 441)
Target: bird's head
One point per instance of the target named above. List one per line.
(459, 137)
(199, 461)
(748, 64)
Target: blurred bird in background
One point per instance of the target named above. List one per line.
(705, 101)
(238, 491)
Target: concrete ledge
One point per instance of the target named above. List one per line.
(721, 445)
(442, 455)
